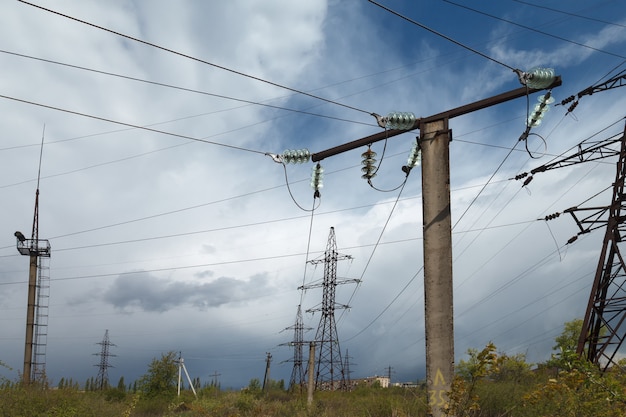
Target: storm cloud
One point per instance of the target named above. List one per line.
(146, 292)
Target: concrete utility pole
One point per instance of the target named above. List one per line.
(310, 387)
(437, 244)
(266, 378)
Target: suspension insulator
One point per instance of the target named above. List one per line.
(400, 120)
(540, 110)
(317, 177)
(297, 156)
(415, 156)
(520, 176)
(552, 216)
(568, 100)
(369, 164)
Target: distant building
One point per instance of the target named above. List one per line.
(383, 381)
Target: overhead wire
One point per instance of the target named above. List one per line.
(221, 67)
(370, 259)
(104, 119)
(462, 45)
(189, 90)
(536, 30)
(539, 6)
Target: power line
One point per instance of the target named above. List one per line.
(190, 90)
(239, 148)
(440, 35)
(569, 14)
(535, 30)
(197, 59)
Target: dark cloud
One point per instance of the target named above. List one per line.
(149, 293)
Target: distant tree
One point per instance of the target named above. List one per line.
(254, 385)
(512, 368)
(161, 377)
(568, 339)
(61, 383)
(566, 345)
(3, 380)
(121, 385)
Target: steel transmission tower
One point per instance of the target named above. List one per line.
(102, 380)
(38, 295)
(602, 334)
(298, 373)
(330, 373)
(606, 309)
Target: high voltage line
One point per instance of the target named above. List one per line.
(189, 90)
(198, 59)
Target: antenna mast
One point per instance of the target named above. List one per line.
(38, 293)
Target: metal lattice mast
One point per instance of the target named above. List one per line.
(347, 372)
(601, 337)
(298, 373)
(102, 380)
(330, 373)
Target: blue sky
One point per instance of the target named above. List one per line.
(175, 244)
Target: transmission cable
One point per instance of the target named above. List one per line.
(197, 59)
(440, 35)
(239, 148)
(370, 259)
(534, 30)
(569, 14)
(126, 77)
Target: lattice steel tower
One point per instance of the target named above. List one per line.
(602, 334)
(330, 373)
(297, 380)
(38, 295)
(603, 331)
(102, 380)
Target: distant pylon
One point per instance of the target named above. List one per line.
(330, 373)
(347, 372)
(298, 374)
(102, 380)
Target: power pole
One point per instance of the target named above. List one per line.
(330, 372)
(389, 370)
(182, 368)
(266, 378)
(310, 386)
(102, 380)
(215, 375)
(437, 243)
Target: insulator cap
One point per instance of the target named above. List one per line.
(297, 156)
